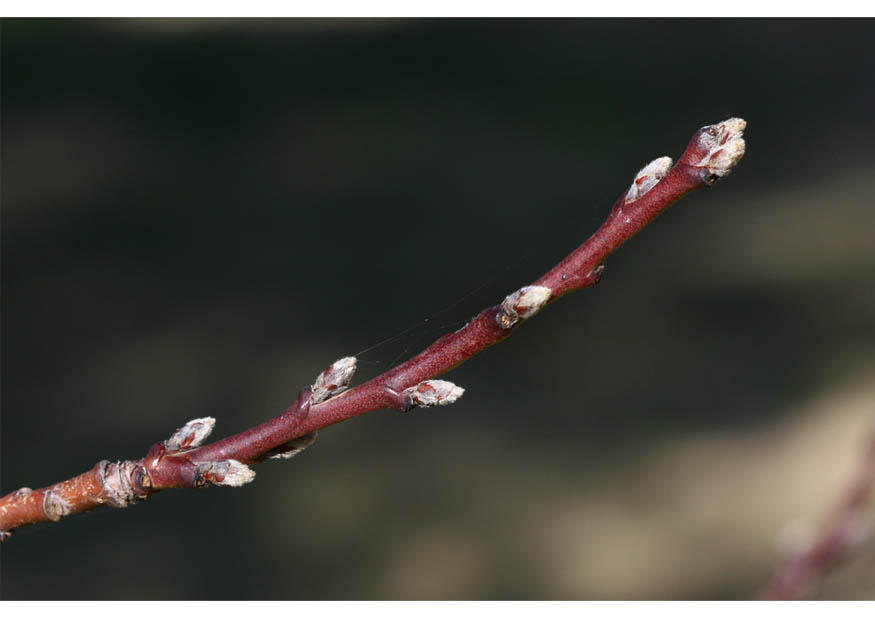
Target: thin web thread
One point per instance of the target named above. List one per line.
(421, 327)
(425, 327)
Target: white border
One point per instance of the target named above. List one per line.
(436, 8)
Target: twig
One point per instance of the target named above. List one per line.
(839, 534)
(181, 462)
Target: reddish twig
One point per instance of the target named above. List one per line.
(181, 462)
(838, 535)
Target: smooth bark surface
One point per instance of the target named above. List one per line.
(181, 462)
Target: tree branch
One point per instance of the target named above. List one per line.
(840, 533)
(181, 462)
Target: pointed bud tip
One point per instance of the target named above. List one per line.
(230, 473)
(522, 304)
(345, 364)
(725, 146)
(434, 392)
(333, 380)
(191, 435)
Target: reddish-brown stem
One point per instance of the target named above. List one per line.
(838, 534)
(579, 269)
(78, 494)
(624, 221)
(711, 153)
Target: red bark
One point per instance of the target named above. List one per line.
(178, 463)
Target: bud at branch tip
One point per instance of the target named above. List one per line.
(724, 144)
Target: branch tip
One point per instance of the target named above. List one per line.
(181, 462)
(333, 380)
(648, 177)
(191, 435)
(724, 146)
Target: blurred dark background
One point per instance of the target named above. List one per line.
(199, 216)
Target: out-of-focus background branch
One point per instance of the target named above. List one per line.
(197, 217)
